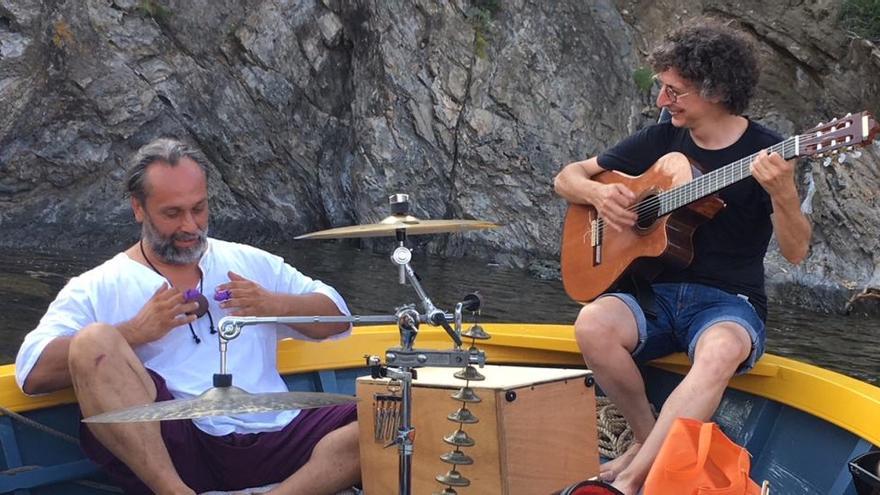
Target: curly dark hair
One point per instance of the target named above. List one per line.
(718, 59)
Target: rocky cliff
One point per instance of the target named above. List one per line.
(312, 112)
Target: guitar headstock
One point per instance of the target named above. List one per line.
(843, 133)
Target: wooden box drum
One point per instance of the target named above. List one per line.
(535, 431)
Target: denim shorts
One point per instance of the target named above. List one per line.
(684, 312)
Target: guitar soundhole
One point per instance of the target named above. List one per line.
(648, 210)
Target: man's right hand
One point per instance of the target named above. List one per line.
(612, 202)
(164, 311)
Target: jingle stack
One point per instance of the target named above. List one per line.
(462, 416)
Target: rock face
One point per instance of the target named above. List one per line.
(312, 112)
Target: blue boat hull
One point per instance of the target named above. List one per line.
(780, 412)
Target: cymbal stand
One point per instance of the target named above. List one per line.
(227, 330)
(229, 327)
(400, 362)
(400, 365)
(401, 257)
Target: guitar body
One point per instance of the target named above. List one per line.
(592, 262)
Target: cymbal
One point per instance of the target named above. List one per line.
(390, 225)
(221, 401)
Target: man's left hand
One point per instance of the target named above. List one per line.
(774, 173)
(247, 298)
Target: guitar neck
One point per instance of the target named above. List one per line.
(708, 184)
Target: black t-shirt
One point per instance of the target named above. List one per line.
(728, 249)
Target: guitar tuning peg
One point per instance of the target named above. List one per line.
(841, 158)
(826, 162)
(856, 154)
(849, 114)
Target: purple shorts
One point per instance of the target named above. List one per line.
(231, 462)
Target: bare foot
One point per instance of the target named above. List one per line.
(626, 488)
(627, 482)
(609, 470)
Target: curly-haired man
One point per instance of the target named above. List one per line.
(714, 309)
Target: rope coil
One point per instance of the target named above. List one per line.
(615, 434)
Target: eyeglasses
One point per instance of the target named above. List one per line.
(672, 94)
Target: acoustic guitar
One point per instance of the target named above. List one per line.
(673, 199)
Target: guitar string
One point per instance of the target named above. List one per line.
(685, 191)
(682, 194)
(706, 184)
(712, 179)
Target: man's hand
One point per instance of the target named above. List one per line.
(612, 202)
(164, 311)
(774, 174)
(790, 225)
(248, 298)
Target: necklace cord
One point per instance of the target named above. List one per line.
(201, 286)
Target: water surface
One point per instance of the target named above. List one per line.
(368, 280)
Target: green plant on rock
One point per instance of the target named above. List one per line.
(480, 15)
(644, 78)
(153, 9)
(862, 18)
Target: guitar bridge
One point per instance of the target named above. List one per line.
(596, 240)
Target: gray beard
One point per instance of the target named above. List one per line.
(165, 249)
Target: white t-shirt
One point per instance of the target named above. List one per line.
(115, 291)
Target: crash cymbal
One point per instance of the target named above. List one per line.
(221, 401)
(390, 225)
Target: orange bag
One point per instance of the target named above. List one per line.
(697, 458)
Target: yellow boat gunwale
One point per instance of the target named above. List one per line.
(843, 401)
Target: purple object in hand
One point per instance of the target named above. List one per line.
(191, 295)
(222, 295)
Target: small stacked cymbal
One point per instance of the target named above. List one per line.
(459, 438)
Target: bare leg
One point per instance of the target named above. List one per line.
(107, 375)
(606, 334)
(720, 351)
(333, 466)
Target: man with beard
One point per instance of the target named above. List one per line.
(128, 333)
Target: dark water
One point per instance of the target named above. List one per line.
(30, 280)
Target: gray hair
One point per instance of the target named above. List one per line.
(162, 150)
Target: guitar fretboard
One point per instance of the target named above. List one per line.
(717, 180)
